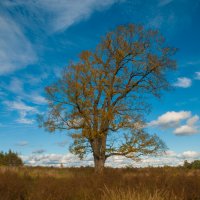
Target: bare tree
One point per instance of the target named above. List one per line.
(105, 96)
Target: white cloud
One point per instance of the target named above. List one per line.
(170, 119)
(183, 82)
(192, 120)
(19, 106)
(23, 110)
(56, 160)
(16, 86)
(23, 118)
(190, 128)
(185, 130)
(177, 120)
(191, 154)
(197, 75)
(16, 51)
(37, 98)
(171, 158)
(170, 153)
(61, 14)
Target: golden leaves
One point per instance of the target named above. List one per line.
(85, 55)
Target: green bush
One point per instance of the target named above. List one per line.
(10, 159)
(193, 165)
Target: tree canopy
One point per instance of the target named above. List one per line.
(104, 96)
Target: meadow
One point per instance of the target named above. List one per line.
(46, 183)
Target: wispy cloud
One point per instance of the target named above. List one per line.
(156, 21)
(16, 51)
(61, 14)
(23, 110)
(23, 119)
(28, 98)
(38, 151)
(16, 87)
(169, 16)
(20, 106)
(197, 75)
(22, 143)
(183, 82)
(35, 80)
(37, 98)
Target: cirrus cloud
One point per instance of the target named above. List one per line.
(24, 111)
(16, 51)
(61, 14)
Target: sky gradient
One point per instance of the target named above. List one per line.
(39, 38)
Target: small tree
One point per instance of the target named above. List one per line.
(196, 164)
(10, 159)
(187, 164)
(104, 96)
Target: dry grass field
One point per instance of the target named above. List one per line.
(39, 183)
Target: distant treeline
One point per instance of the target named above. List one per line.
(193, 165)
(10, 158)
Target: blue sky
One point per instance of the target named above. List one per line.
(38, 38)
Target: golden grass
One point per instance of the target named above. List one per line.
(38, 183)
(119, 194)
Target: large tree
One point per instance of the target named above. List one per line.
(104, 96)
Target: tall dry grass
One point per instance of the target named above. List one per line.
(83, 184)
(120, 194)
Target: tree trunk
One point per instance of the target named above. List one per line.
(98, 148)
(99, 165)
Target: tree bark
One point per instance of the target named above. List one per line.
(98, 148)
(99, 165)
